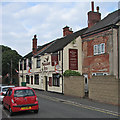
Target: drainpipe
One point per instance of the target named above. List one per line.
(22, 70)
(62, 73)
(118, 27)
(118, 51)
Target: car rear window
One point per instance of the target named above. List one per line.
(23, 93)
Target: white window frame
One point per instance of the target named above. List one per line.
(95, 49)
(99, 49)
(38, 62)
(102, 48)
(97, 74)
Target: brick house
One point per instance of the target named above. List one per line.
(100, 44)
(44, 66)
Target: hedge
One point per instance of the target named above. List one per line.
(71, 73)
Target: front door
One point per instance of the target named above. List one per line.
(46, 83)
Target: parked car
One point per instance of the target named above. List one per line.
(20, 99)
(3, 89)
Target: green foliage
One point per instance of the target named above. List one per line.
(7, 55)
(71, 73)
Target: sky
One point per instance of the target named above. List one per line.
(21, 20)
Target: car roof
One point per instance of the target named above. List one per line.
(6, 86)
(20, 88)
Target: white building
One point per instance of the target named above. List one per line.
(47, 63)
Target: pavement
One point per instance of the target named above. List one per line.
(81, 102)
(0, 111)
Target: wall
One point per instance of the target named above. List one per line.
(74, 86)
(66, 54)
(99, 63)
(104, 89)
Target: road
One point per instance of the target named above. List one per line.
(51, 107)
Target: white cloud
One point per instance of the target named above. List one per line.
(21, 20)
(0, 23)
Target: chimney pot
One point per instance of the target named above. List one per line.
(35, 36)
(98, 9)
(93, 17)
(92, 3)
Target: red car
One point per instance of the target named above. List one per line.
(20, 99)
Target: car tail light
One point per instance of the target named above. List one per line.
(36, 99)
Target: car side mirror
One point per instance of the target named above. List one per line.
(4, 94)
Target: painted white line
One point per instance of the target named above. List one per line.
(81, 105)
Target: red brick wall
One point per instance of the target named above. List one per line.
(95, 63)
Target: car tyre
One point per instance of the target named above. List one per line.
(10, 110)
(4, 106)
(35, 111)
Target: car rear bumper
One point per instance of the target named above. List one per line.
(17, 108)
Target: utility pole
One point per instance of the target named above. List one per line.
(11, 70)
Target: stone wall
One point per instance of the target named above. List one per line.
(104, 89)
(74, 86)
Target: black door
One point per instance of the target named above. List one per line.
(46, 84)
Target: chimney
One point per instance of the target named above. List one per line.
(67, 31)
(34, 49)
(93, 17)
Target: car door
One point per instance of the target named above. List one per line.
(7, 98)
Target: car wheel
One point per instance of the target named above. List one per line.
(35, 111)
(4, 106)
(10, 110)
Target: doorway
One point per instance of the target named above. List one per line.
(86, 85)
(46, 83)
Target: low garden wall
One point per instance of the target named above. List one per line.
(105, 89)
(74, 86)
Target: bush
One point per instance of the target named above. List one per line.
(71, 73)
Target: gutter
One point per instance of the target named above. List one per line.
(98, 31)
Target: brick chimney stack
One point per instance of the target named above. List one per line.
(67, 31)
(34, 49)
(93, 17)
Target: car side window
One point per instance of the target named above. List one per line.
(7, 92)
(10, 92)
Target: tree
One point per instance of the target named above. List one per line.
(7, 55)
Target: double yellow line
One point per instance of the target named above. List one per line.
(81, 105)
